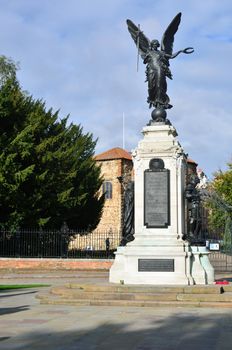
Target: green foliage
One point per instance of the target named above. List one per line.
(8, 69)
(47, 171)
(221, 205)
(227, 238)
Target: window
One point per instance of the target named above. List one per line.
(107, 189)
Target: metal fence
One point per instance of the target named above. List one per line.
(221, 261)
(82, 244)
(58, 244)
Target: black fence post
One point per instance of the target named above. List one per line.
(64, 236)
(107, 246)
(18, 245)
(40, 243)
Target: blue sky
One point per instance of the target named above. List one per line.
(79, 57)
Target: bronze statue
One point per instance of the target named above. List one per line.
(128, 218)
(157, 64)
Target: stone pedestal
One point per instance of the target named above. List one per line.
(202, 271)
(158, 255)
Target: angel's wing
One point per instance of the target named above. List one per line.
(141, 41)
(168, 37)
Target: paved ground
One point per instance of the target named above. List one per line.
(25, 324)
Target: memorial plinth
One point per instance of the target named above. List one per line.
(158, 254)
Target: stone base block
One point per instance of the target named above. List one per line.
(150, 266)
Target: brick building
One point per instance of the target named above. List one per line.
(117, 170)
(192, 167)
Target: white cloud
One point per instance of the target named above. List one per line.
(79, 57)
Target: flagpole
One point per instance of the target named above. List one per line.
(123, 130)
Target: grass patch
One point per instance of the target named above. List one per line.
(22, 286)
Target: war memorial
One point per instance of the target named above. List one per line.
(162, 251)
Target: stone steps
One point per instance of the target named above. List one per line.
(132, 303)
(139, 296)
(196, 289)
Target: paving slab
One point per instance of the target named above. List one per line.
(26, 324)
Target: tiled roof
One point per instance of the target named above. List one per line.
(189, 160)
(114, 153)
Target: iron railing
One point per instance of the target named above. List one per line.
(76, 244)
(221, 261)
(222, 258)
(58, 244)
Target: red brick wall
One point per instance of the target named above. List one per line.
(55, 264)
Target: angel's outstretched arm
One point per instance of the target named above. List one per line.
(188, 50)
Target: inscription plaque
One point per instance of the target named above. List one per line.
(156, 265)
(156, 198)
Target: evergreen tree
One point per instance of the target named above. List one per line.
(47, 172)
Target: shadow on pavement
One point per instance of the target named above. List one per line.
(15, 294)
(180, 330)
(12, 310)
(4, 338)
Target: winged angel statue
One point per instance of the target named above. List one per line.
(157, 64)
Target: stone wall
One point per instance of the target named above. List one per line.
(112, 170)
(111, 216)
